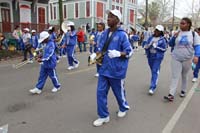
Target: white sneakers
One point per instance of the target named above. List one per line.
(194, 80)
(76, 65)
(121, 114)
(55, 89)
(35, 91)
(151, 92)
(30, 61)
(70, 68)
(96, 75)
(73, 67)
(100, 121)
(38, 91)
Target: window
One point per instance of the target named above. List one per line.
(54, 9)
(121, 1)
(76, 10)
(100, 10)
(113, 7)
(117, 1)
(65, 11)
(51, 11)
(121, 10)
(88, 9)
(131, 18)
(117, 7)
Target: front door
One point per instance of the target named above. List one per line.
(41, 18)
(6, 24)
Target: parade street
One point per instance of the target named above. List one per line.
(73, 108)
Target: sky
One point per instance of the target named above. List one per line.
(182, 7)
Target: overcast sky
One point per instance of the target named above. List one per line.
(183, 7)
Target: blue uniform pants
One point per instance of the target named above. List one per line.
(117, 85)
(154, 65)
(44, 73)
(70, 55)
(196, 70)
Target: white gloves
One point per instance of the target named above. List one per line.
(154, 45)
(113, 53)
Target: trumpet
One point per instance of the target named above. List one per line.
(95, 58)
(35, 55)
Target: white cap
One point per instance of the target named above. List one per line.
(43, 35)
(26, 29)
(33, 31)
(50, 28)
(70, 23)
(160, 28)
(115, 12)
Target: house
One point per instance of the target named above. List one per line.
(82, 12)
(26, 13)
(168, 23)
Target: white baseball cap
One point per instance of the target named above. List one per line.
(26, 29)
(43, 35)
(160, 28)
(50, 28)
(115, 12)
(33, 31)
(70, 23)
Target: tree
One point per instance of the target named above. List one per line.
(154, 9)
(165, 9)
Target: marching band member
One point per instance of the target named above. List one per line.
(34, 39)
(54, 38)
(27, 44)
(155, 48)
(48, 66)
(100, 29)
(113, 70)
(70, 44)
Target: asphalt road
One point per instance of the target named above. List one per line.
(73, 109)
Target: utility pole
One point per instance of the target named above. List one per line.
(60, 13)
(173, 16)
(146, 15)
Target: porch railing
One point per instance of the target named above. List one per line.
(9, 27)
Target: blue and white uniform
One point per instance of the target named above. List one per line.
(34, 41)
(155, 49)
(71, 41)
(48, 66)
(112, 72)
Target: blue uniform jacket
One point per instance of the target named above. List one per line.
(116, 67)
(160, 49)
(135, 38)
(34, 41)
(70, 38)
(49, 56)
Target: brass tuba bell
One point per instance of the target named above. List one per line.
(65, 25)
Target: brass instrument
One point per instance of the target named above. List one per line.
(65, 25)
(95, 58)
(35, 55)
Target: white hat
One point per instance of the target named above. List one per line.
(115, 12)
(43, 35)
(50, 28)
(26, 29)
(70, 23)
(160, 27)
(33, 31)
